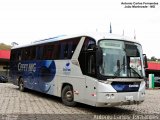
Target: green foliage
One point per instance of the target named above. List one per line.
(153, 58)
(4, 46)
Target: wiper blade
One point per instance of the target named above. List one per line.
(135, 72)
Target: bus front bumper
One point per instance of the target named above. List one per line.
(116, 99)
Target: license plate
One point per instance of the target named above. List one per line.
(129, 98)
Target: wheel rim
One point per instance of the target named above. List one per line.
(69, 96)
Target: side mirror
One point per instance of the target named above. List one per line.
(99, 56)
(145, 61)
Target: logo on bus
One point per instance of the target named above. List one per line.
(67, 67)
(31, 67)
(133, 86)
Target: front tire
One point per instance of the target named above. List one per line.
(68, 96)
(21, 85)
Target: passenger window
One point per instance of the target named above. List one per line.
(26, 54)
(48, 52)
(32, 53)
(73, 45)
(39, 52)
(19, 55)
(64, 50)
(89, 44)
(56, 51)
(68, 47)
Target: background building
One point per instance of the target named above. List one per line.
(4, 62)
(153, 68)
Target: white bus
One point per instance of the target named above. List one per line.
(97, 69)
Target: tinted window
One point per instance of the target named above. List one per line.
(25, 53)
(87, 57)
(39, 52)
(48, 51)
(13, 55)
(16, 54)
(32, 55)
(56, 51)
(68, 47)
(28, 53)
(88, 44)
(63, 49)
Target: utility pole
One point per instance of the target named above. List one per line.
(134, 34)
(110, 31)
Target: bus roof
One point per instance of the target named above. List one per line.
(96, 35)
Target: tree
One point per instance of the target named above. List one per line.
(4, 46)
(153, 58)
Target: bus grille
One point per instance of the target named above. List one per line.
(126, 86)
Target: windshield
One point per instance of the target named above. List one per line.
(120, 59)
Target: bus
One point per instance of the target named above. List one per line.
(96, 69)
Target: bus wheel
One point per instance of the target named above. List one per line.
(68, 96)
(21, 85)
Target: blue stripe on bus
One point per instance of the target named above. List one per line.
(46, 73)
(37, 74)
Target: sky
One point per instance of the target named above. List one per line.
(25, 21)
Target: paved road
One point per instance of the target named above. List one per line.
(33, 105)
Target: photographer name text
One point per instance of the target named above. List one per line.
(139, 4)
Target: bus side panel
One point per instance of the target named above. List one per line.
(91, 91)
(46, 70)
(37, 75)
(68, 73)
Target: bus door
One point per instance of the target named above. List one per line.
(87, 60)
(90, 62)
